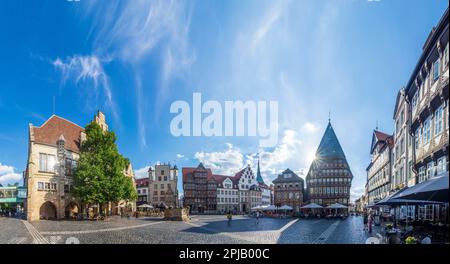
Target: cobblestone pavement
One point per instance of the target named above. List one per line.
(13, 231)
(201, 229)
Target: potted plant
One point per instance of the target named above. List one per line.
(410, 240)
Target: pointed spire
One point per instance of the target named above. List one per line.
(329, 145)
(259, 178)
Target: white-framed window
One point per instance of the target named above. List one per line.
(445, 61)
(426, 212)
(441, 164)
(414, 102)
(422, 174)
(417, 136)
(436, 70)
(40, 186)
(47, 162)
(438, 119)
(427, 130)
(430, 170)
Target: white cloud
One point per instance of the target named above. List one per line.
(8, 175)
(310, 127)
(287, 154)
(180, 156)
(226, 162)
(141, 173)
(356, 192)
(86, 69)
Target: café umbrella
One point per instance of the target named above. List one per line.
(285, 207)
(312, 206)
(270, 208)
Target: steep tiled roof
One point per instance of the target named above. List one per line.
(293, 178)
(53, 128)
(329, 145)
(380, 135)
(142, 182)
(189, 170)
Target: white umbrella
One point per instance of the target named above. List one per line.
(286, 207)
(256, 208)
(269, 208)
(145, 206)
(336, 206)
(312, 206)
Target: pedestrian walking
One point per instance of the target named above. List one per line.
(257, 217)
(365, 218)
(229, 217)
(369, 222)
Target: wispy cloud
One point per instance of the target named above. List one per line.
(272, 16)
(132, 30)
(89, 68)
(8, 175)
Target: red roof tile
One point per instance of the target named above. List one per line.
(381, 136)
(53, 128)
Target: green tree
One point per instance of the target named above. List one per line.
(99, 177)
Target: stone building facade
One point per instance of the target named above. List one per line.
(329, 177)
(289, 190)
(53, 152)
(163, 188)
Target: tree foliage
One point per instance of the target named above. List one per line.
(100, 174)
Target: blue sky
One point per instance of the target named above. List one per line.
(132, 59)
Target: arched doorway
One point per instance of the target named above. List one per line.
(71, 210)
(47, 211)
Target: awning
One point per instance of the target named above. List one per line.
(387, 198)
(432, 190)
(393, 202)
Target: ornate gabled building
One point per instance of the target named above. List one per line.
(200, 189)
(288, 190)
(379, 171)
(249, 190)
(329, 177)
